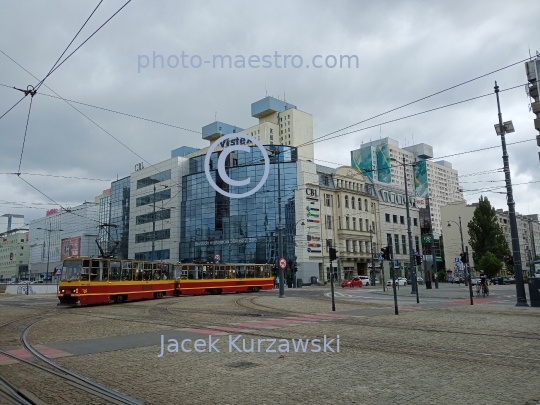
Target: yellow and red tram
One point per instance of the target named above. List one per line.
(89, 280)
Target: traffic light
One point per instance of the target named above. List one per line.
(510, 260)
(295, 268)
(333, 254)
(463, 258)
(386, 253)
(418, 260)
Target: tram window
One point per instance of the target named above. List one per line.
(266, 271)
(220, 271)
(250, 273)
(157, 274)
(258, 271)
(104, 270)
(115, 271)
(241, 272)
(137, 271)
(208, 271)
(71, 270)
(94, 271)
(165, 275)
(228, 272)
(127, 274)
(147, 272)
(85, 270)
(184, 272)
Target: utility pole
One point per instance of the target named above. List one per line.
(280, 232)
(469, 275)
(412, 265)
(432, 251)
(333, 256)
(372, 258)
(520, 287)
(154, 225)
(49, 244)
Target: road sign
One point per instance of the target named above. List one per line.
(396, 263)
(427, 239)
(58, 272)
(282, 263)
(380, 256)
(217, 258)
(456, 260)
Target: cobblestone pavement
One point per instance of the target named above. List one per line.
(429, 356)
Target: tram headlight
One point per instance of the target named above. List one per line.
(75, 291)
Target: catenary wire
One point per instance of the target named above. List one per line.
(420, 99)
(65, 50)
(25, 131)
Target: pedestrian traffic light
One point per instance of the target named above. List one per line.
(295, 268)
(463, 258)
(418, 260)
(386, 253)
(510, 260)
(333, 254)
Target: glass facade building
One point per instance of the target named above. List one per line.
(119, 215)
(240, 230)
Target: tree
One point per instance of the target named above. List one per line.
(489, 264)
(485, 233)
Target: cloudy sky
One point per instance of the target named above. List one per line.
(406, 50)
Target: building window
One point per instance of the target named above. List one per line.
(417, 244)
(360, 224)
(388, 239)
(160, 215)
(367, 225)
(329, 222)
(359, 203)
(326, 181)
(366, 206)
(396, 240)
(155, 178)
(394, 219)
(387, 217)
(354, 224)
(346, 201)
(404, 244)
(339, 222)
(147, 236)
(402, 220)
(346, 222)
(327, 200)
(415, 221)
(352, 203)
(149, 199)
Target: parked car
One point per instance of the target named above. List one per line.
(365, 280)
(353, 282)
(498, 280)
(475, 280)
(420, 280)
(400, 281)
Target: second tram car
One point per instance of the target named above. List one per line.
(90, 281)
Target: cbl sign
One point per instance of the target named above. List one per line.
(312, 194)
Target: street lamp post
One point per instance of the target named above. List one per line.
(372, 258)
(516, 254)
(49, 244)
(275, 153)
(462, 247)
(295, 257)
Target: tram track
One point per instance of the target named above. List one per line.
(78, 381)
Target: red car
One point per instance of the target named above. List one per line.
(353, 282)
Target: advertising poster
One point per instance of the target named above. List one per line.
(421, 183)
(383, 164)
(361, 160)
(71, 247)
(313, 218)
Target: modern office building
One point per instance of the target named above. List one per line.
(120, 200)
(61, 234)
(382, 160)
(13, 253)
(528, 230)
(11, 221)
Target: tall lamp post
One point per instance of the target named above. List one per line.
(295, 257)
(49, 244)
(275, 153)
(462, 247)
(412, 264)
(501, 129)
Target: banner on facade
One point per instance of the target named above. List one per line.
(71, 247)
(421, 183)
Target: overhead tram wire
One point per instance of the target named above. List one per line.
(63, 177)
(85, 41)
(13, 106)
(65, 50)
(416, 101)
(25, 132)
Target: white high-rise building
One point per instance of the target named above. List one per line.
(9, 222)
(382, 160)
